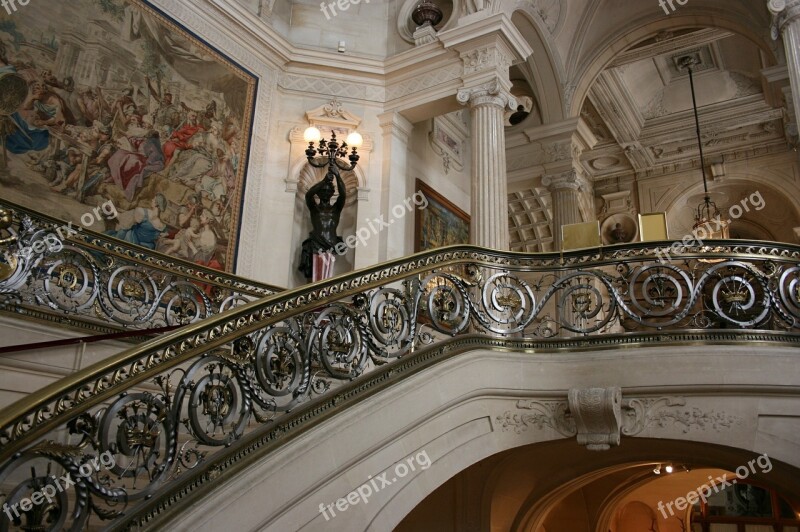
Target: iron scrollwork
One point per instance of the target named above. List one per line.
(92, 281)
(168, 407)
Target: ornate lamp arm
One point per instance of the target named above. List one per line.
(333, 151)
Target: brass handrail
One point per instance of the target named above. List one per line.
(549, 261)
(322, 314)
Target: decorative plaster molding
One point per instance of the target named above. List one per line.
(784, 13)
(571, 179)
(540, 414)
(332, 87)
(423, 81)
(486, 58)
(425, 35)
(447, 140)
(665, 412)
(395, 124)
(334, 115)
(473, 6)
(598, 416)
(492, 93)
(558, 151)
(671, 44)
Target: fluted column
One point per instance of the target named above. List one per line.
(786, 22)
(489, 198)
(565, 190)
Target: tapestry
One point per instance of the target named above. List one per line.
(110, 103)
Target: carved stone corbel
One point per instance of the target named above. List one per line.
(598, 416)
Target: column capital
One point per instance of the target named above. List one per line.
(569, 180)
(494, 93)
(784, 12)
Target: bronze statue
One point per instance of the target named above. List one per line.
(324, 218)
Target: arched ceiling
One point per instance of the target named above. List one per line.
(640, 106)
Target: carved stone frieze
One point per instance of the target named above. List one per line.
(667, 412)
(487, 58)
(558, 151)
(538, 415)
(344, 89)
(599, 416)
(423, 81)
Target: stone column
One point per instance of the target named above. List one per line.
(565, 189)
(395, 187)
(489, 197)
(786, 22)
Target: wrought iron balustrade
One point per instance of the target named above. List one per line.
(54, 272)
(181, 410)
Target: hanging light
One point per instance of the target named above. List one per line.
(707, 212)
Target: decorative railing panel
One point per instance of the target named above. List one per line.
(52, 271)
(168, 410)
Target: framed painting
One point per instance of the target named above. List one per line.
(440, 224)
(116, 118)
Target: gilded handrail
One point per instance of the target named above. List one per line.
(55, 272)
(260, 361)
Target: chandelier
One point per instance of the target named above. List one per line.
(707, 211)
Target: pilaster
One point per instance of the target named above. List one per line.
(396, 132)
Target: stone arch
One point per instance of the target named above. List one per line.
(543, 68)
(453, 412)
(637, 515)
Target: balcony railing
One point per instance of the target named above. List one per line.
(178, 412)
(52, 272)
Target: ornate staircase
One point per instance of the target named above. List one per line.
(241, 379)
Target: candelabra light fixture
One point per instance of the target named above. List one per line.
(331, 149)
(707, 210)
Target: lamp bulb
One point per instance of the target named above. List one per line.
(355, 139)
(312, 134)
